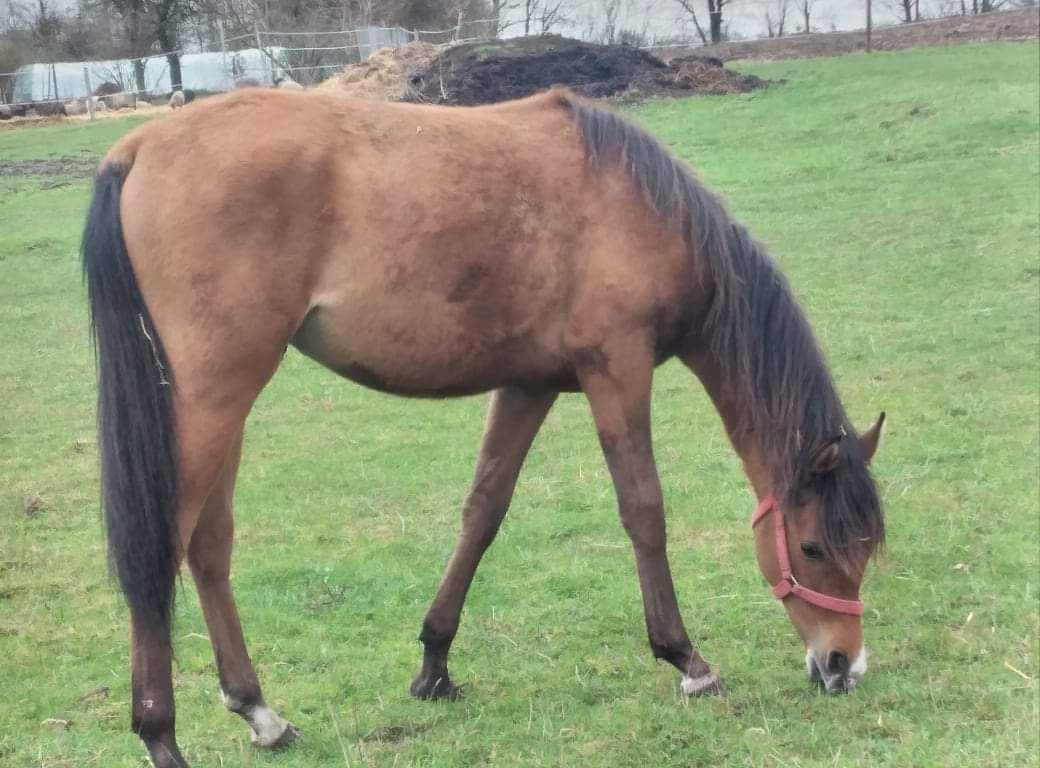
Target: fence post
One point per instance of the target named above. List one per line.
(90, 92)
(869, 25)
(223, 53)
(260, 47)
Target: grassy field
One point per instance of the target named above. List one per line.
(900, 193)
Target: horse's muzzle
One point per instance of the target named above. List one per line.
(836, 673)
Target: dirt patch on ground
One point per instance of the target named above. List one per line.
(148, 108)
(988, 27)
(386, 75)
(488, 72)
(34, 120)
(74, 167)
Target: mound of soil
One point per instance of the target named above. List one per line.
(386, 75)
(500, 70)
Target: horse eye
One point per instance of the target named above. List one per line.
(812, 550)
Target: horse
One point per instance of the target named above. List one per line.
(525, 249)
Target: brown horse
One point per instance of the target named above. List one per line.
(528, 248)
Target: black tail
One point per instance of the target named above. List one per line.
(135, 414)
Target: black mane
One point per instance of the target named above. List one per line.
(763, 344)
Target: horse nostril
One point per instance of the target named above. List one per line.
(837, 663)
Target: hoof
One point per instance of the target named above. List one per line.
(287, 737)
(706, 685)
(166, 755)
(269, 730)
(430, 688)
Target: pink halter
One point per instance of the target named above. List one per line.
(788, 585)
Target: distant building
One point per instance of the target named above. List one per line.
(199, 72)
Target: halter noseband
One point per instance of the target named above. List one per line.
(788, 584)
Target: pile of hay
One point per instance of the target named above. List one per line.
(696, 74)
(386, 75)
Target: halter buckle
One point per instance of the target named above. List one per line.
(785, 586)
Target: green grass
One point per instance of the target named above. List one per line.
(900, 192)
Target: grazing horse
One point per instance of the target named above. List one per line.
(540, 246)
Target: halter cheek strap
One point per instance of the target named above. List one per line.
(788, 584)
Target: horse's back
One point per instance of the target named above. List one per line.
(418, 249)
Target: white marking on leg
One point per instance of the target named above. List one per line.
(269, 728)
(691, 686)
(231, 703)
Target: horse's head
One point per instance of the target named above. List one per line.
(813, 547)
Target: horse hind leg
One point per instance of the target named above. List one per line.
(204, 446)
(209, 428)
(513, 420)
(209, 557)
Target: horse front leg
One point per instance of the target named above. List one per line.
(513, 420)
(616, 378)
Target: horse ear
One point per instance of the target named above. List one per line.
(826, 457)
(871, 439)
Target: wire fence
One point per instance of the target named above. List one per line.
(266, 57)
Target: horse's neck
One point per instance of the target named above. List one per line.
(759, 474)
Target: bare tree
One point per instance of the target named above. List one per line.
(545, 13)
(500, 11)
(715, 8)
(687, 5)
(715, 18)
(776, 17)
(44, 26)
(805, 7)
(147, 23)
(551, 14)
(168, 16)
(610, 9)
(15, 50)
(530, 8)
(908, 10)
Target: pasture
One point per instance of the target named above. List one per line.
(900, 194)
